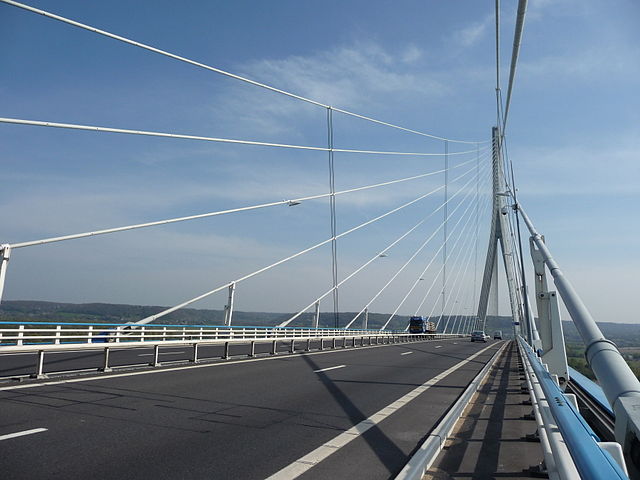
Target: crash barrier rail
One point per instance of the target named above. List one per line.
(46, 337)
(424, 457)
(571, 449)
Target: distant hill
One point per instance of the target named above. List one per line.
(624, 335)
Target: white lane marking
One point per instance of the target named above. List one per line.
(406, 353)
(438, 346)
(329, 368)
(22, 434)
(311, 459)
(455, 343)
(177, 369)
(161, 353)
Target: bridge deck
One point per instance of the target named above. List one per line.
(488, 440)
(241, 419)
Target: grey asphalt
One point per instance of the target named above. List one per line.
(241, 420)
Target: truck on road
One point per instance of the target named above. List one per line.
(421, 325)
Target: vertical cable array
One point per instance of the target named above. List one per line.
(475, 261)
(332, 204)
(446, 195)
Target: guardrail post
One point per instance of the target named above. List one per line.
(142, 333)
(321, 343)
(156, 355)
(293, 346)
(225, 355)
(274, 347)
(200, 336)
(58, 332)
(252, 349)
(40, 366)
(344, 342)
(20, 334)
(118, 330)
(194, 357)
(228, 308)
(90, 334)
(333, 343)
(105, 365)
(308, 345)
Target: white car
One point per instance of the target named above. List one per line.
(479, 336)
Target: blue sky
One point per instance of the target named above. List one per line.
(573, 136)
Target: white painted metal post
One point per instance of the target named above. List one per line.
(366, 318)
(228, 308)
(316, 315)
(5, 253)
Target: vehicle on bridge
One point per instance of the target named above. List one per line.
(421, 325)
(497, 335)
(479, 336)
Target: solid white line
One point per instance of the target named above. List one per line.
(21, 434)
(308, 461)
(406, 353)
(329, 368)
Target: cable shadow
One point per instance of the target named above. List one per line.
(391, 456)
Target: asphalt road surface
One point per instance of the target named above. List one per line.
(354, 413)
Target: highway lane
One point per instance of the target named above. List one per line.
(247, 419)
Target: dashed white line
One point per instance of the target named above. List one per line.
(22, 434)
(438, 346)
(406, 353)
(329, 368)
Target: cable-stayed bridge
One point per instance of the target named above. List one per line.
(304, 397)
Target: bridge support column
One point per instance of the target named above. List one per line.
(228, 308)
(316, 315)
(5, 253)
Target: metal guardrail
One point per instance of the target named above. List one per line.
(46, 337)
(618, 382)
(586, 460)
(424, 457)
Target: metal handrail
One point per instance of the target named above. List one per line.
(618, 382)
(591, 461)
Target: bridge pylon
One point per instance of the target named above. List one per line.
(501, 235)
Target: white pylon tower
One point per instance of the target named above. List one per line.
(500, 234)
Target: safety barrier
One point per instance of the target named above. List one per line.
(46, 337)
